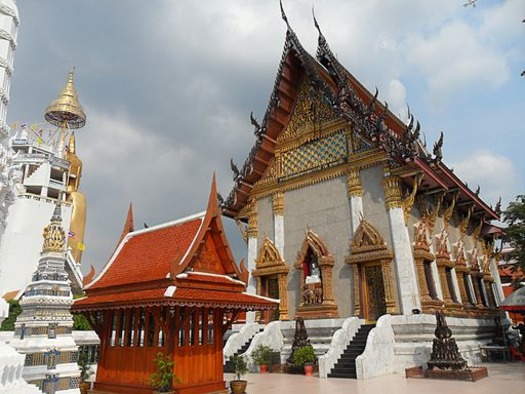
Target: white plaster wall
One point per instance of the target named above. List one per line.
(324, 209)
(374, 207)
(265, 219)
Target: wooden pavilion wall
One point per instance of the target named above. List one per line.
(131, 339)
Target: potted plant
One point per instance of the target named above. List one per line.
(162, 379)
(262, 356)
(238, 386)
(305, 357)
(85, 372)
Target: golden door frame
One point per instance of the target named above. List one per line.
(328, 307)
(368, 248)
(269, 263)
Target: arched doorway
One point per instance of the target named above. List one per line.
(271, 272)
(373, 286)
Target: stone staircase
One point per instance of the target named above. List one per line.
(228, 366)
(345, 366)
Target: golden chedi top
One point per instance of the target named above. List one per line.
(54, 236)
(66, 110)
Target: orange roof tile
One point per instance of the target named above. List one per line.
(148, 254)
(172, 295)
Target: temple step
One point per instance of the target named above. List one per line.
(228, 366)
(345, 366)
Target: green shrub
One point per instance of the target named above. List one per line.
(163, 377)
(262, 355)
(304, 355)
(240, 365)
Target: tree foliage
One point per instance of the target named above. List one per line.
(514, 218)
(81, 323)
(14, 310)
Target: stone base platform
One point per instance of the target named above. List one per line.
(471, 373)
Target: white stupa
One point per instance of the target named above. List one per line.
(43, 331)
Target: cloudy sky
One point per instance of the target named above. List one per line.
(168, 87)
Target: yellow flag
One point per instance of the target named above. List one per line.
(33, 127)
(81, 246)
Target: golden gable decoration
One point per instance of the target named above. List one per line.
(311, 109)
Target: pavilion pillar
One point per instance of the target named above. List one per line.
(406, 275)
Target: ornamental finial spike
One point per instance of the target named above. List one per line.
(66, 110)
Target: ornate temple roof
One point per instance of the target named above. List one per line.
(371, 121)
(185, 262)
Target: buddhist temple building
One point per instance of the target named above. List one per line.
(173, 288)
(347, 213)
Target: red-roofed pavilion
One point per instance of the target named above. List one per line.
(173, 288)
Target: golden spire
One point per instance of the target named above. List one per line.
(66, 110)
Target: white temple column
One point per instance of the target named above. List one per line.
(251, 233)
(278, 221)
(406, 274)
(355, 195)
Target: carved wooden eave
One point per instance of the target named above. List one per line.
(269, 261)
(368, 245)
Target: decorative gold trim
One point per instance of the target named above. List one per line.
(278, 203)
(432, 217)
(252, 228)
(268, 186)
(466, 220)
(392, 188)
(408, 202)
(447, 214)
(353, 183)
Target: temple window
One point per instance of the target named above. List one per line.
(470, 295)
(450, 284)
(429, 277)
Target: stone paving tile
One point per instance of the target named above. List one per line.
(504, 378)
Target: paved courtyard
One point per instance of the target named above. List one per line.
(504, 378)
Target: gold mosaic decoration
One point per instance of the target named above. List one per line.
(311, 109)
(318, 154)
